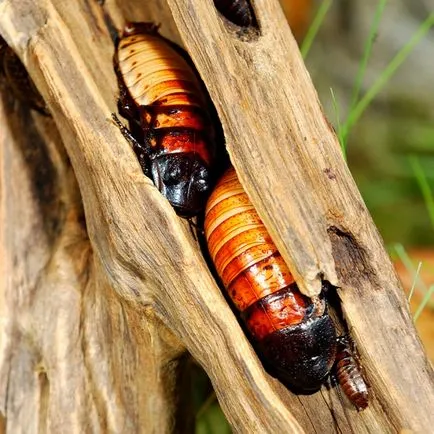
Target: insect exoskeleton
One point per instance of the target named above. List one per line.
(295, 335)
(164, 101)
(349, 374)
(237, 11)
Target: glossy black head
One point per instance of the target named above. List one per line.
(302, 355)
(184, 180)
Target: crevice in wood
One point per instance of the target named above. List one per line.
(308, 416)
(2, 424)
(45, 186)
(351, 260)
(44, 398)
(330, 406)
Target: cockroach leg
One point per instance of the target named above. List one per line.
(141, 152)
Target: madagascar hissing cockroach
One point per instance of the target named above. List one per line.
(238, 12)
(170, 128)
(349, 375)
(294, 333)
(16, 80)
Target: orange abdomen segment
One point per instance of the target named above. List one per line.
(175, 117)
(186, 141)
(299, 16)
(275, 311)
(155, 74)
(252, 270)
(167, 93)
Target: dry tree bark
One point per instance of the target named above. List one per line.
(96, 317)
(60, 317)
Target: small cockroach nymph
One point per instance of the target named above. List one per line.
(16, 80)
(349, 374)
(170, 127)
(294, 334)
(238, 12)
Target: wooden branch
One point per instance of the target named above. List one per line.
(272, 120)
(288, 159)
(61, 323)
(144, 249)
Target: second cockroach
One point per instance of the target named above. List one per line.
(170, 127)
(349, 374)
(295, 335)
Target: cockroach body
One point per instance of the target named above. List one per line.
(16, 79)
(296, 336)
(294, 333)
(164, 102)
(349, 375)
(238, 12)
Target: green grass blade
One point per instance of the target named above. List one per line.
(338, 123)
(408, 264)
(209, 400)
(412, 271)
(314, 27)
(424, 186)
(423, 303)
(404, 258)
(388, 72)
(364, 62)
(367, 52)
(415, 279)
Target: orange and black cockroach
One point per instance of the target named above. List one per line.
(170, 127)
(16, 80)
(349, 375)
(238, 12)
(294, 333)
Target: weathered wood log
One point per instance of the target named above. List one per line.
(145, 264)
(307, 198)
(60, 318)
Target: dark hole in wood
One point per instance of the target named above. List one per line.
(352, 264)
(241, 15)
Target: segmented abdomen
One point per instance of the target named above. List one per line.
(167, 94)
(295, 335)
(349, 375)
(155, 73)
(252, 270)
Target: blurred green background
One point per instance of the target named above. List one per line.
(390, 149)
(399, 122)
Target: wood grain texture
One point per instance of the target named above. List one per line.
(147, 262)
(289, 161)
(145, 251)
(72, 352)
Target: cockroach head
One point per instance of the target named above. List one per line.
(302, 355)
(184, 180)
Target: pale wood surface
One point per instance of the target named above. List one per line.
(142, 261)
(61, 365)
